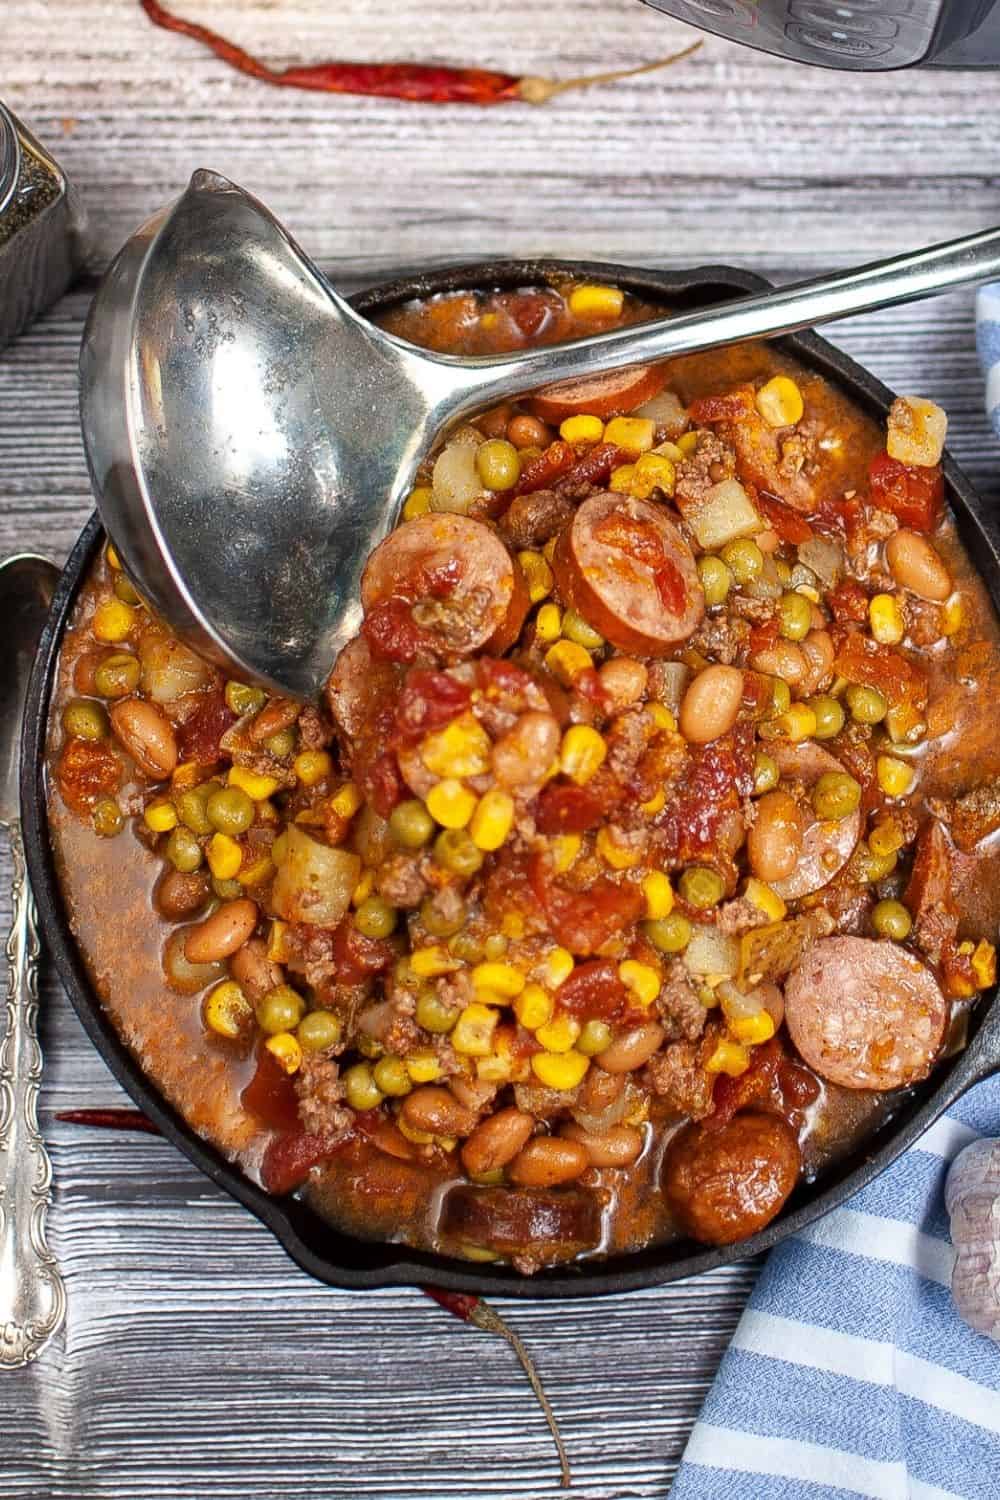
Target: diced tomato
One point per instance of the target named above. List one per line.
(583, 920)
(848, 602)
(506, 684)
(594, 467)
(758, 693)
(289, 1159)
(764, 635)
(427, 700)
(393, 634)
(87, 770)
(914, 493)
(568, 809)
(385, 1135)
(541, 472)
(898, 679)
(380, 782)
(728, 408)
(270, 1094)
(773, 1079)
(198, 738)
(719, 775)
(356, 956)
(790, 526)
(593, 991)
(588, 685)
(534, 311)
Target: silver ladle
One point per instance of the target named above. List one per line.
(250, 437)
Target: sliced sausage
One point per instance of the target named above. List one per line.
(356, 686)
(465, 590)
(827, 845)
(723, 1185)
(508, 1220)
(627, 570)
(601, 395)
(865, 1014)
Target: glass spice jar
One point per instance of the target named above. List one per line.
(40, 228)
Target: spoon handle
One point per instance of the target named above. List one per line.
(32, 1293)
(767, 314)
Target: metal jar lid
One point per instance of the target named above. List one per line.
(10, 158)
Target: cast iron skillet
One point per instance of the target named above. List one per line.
(318, 1247)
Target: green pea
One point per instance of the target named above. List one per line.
(781, 695)
(498, 464)
(455, 852)
(437, 923)
(117, 675)
(765, 772)
(85, 720)
(389, 1074)
(795, 615)
(281, 1009)
(495, 946)
(241, 699)
(229, 810)
(466, 947)
(891, 919)
(669, 934)
(875, 867)
(192, 808)
(716, 579)
(226, 890)
(125, 591)
(701, 887)
(361, 1090)
(107, 818)
(410, 824)
(594, 1038)
(829, 713)
(375, 918)
(835, 795)
(744, 559)
(433, 1014)
(319, 1030)
(867, 704)
(282, 744)
(183, 850)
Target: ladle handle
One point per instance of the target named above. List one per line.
(32, 1293)
(904, 278)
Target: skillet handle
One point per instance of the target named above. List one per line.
(982, 1058)
(32, 1293)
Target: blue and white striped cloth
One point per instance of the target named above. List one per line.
(851, 1373)
(988, 344)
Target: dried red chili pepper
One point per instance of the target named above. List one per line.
(109, 1119)
(421, 83)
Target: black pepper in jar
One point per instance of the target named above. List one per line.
(39, 228)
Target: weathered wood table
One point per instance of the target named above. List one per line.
(197, 1360)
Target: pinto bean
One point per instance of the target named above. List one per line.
(774, 843)
(630, 1049)
(279, 714)
(547, 1160)
(617, 1147)
(818, 650)
(222, 933)
(253, 971)
(147, 735)
(523, 756)
(178, 895)
(496, 1141)
(436, 1110)
(711, 704)
(623, 680)
(785, 659)
(527, 432)
(915, 565)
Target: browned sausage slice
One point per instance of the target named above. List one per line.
(865, 1014)
(624, 567)
(465, 590)
(723, 1185)
(601, 395)
(525, 1219)
(827, 844)
(357, 686)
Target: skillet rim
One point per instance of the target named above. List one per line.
(340, 1259)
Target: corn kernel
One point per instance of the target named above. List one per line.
(563, 1070)
(114, 561)
(277, 947)
(620, 856)
(780, 402)
(429, 962)
(497, 1068)
(905, 723)
(566, 660)
(634, 435)
(952, 615)
(423, 1067)
(581, 753)
(796, 724)
(256, 873)
(227, 1010)
(257, 787)
(450, 803)
(661, 716)
(805, 589)
(687, 443)
(590, 301)
(556, 966)
(984, 965)
(548, 623)
(418, 1137)
(286, 1051)
(728, 1057)
(364, 888)
(347, 801)
(312, 766)
(886, 838)
(538, 575)
(559, 1034)
(655, 804)
(621, 479)
(759, 894)
(512, 925)
(533, 1007)
(886, 619)
(653, 471)
(549, 550)
(576, 628)
(461, 748)
(472, 1034)
(224, 856)
(895, 777)
(582, 429)
(492, 820)
(752, 1030)
(113, 621)
(503, 979)
(418, 502)
(659, 894)
(641, 979)
(160, 817)
(565, 847)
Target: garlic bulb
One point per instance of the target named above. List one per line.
(972, 1198)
